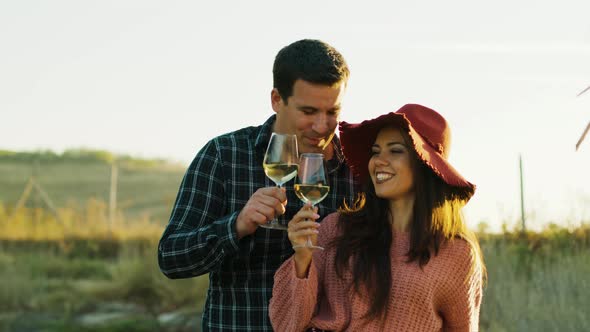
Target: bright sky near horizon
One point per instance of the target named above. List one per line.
(158, 79)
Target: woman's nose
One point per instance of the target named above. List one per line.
(380, 160)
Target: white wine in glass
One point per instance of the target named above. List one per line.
(280, 165)
(311, 185)
(312, 193)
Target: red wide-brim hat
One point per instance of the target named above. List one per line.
(430, 135)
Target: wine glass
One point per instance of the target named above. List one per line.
(311, 185)
(280, 165)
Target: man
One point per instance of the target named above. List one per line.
(225, 195)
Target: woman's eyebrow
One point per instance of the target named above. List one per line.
(390, 144)
(397, 143)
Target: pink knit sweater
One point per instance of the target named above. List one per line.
(441, 296)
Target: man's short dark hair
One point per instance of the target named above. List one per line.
(310, 60)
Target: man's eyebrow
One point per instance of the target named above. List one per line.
(305, 107)
(336, 108)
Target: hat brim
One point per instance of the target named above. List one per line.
(357, 140)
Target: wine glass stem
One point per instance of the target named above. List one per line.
(275, 220)
(309, 243)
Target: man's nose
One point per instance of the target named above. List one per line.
(321, 124)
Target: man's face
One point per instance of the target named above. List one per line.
(311, 112)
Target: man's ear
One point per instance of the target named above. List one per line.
(276, 100)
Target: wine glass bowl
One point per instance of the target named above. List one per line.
(280, 165)
(280, 173)
(311, 185)
(311, 193)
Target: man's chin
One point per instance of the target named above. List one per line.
(311, 149)
(317, 146)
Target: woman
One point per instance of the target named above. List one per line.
(400, 258)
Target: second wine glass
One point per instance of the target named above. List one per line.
(280, 165)
(311, 185)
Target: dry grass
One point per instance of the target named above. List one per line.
(538, 281)
(73, 264)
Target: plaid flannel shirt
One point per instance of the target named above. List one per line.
(201, 237)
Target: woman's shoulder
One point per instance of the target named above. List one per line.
(461, 258)
(457, 244)
(460, 265)
(330, 220)
(458, 250)
(329, 225)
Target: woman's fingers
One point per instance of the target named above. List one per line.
(304, 224)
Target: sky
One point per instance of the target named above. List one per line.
(157, 79)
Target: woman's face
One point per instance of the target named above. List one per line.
(390, 165)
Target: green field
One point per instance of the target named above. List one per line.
(78, 273)
(144, 187)
(108, 283)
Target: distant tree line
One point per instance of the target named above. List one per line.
(77, 155)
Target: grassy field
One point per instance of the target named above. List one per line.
(144, 187)
(538, 281)
(54, 275)
(80, 274)
(77, 273)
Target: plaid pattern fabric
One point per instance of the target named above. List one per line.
(201, 238)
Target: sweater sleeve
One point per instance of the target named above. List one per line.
(293, 299)
(462, 291)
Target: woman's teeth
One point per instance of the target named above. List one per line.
(383, 176)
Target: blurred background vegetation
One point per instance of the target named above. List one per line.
(72, 269)
(144, 186)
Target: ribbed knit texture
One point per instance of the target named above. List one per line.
(443, 295)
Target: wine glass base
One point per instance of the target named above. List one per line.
(274, 225)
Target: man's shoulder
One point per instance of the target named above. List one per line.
(241, 138)
(245, 135)
(242, 133)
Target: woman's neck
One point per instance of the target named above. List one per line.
(402, 211)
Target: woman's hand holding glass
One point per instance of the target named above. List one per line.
(311, 187)
(303, 228)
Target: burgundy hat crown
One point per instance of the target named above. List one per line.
(430, 135)
(430, 125)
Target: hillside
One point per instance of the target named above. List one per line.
(145, 187)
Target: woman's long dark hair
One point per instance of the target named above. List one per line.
(366, 232)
